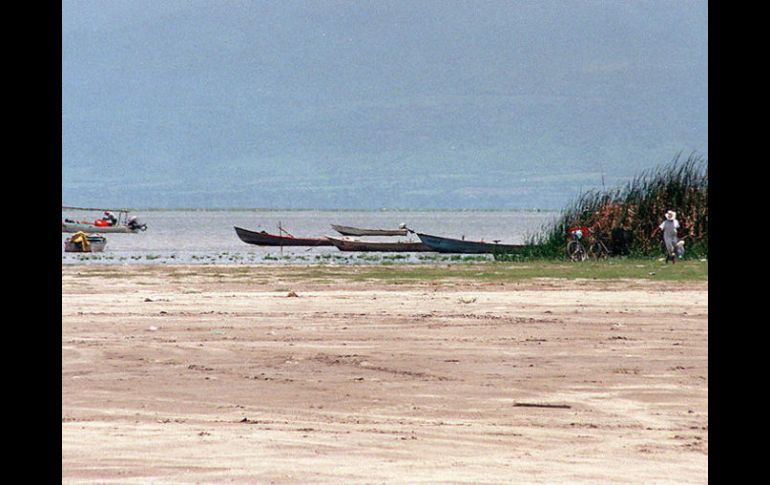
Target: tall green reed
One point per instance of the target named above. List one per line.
(626, 217)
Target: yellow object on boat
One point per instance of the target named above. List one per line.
(81, 238)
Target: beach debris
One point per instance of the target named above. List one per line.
(251, 421)
(292, 294)
(148, 299)
(469, 300)
(152, 328)
(169, 420)
(541, 405)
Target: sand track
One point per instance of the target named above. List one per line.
(196, 379)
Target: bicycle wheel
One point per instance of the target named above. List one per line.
(598, 250)
(576, 251)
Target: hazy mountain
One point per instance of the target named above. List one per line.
(369, 104)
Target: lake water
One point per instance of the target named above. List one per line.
(208, 237)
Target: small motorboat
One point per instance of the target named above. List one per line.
(80, 242)
(123, 223)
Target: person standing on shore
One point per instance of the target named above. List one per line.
(669, 228)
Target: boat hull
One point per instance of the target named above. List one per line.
(72, 227)
(448, 245)
(264, 239)
(356, 231)
(376, 246)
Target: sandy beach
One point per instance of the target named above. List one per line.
(272, 374)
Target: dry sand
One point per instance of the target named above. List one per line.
(172, 376)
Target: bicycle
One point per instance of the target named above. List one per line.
(575, 249)
(598, 249)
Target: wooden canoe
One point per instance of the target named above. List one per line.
(357, 231)
(349, 244)
(262, 238)
(448, 245)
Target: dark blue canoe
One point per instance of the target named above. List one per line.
(448, 245)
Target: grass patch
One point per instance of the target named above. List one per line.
(650, 269)
(627, 269)
(617, 268)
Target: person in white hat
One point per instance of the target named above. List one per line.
(670, 238)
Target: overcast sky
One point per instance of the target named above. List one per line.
(370, 104)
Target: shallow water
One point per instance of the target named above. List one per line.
(208, 237)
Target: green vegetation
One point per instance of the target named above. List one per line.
(651, 269)
(625, 218)
(616, 268)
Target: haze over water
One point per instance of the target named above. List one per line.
(397, 104)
